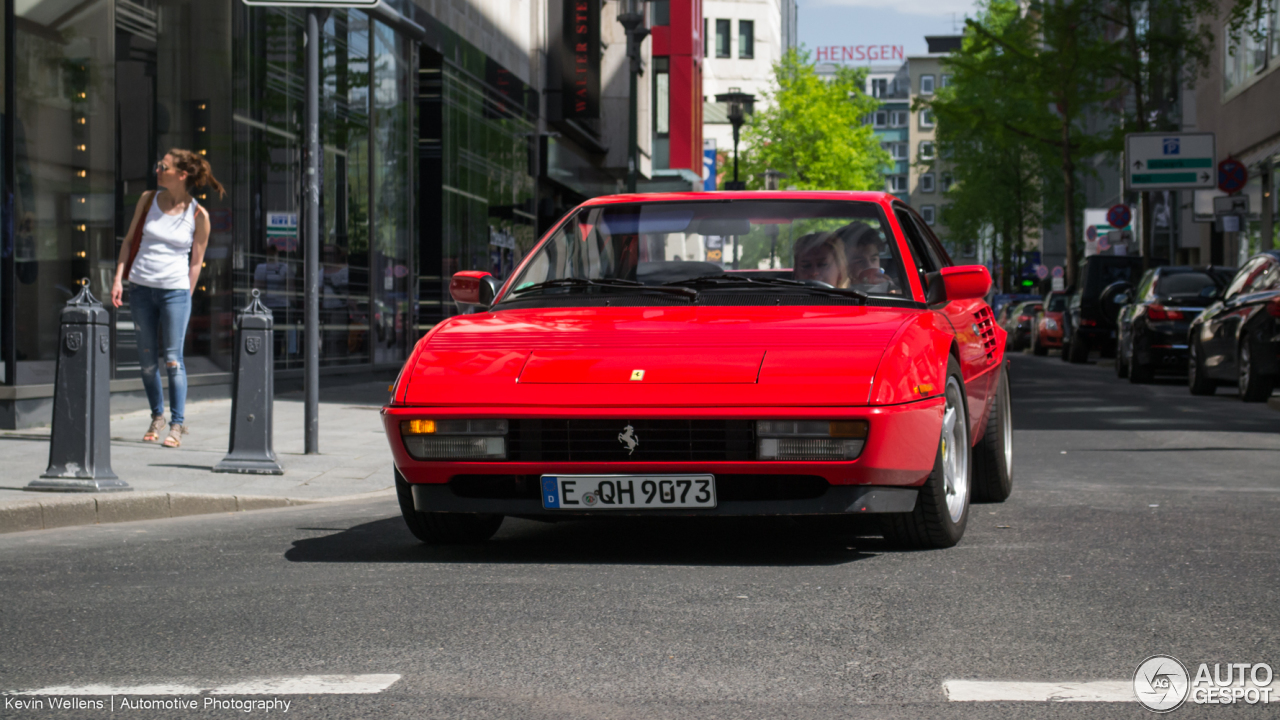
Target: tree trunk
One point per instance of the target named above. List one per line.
(1069, 200)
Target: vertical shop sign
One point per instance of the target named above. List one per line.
(582, 59)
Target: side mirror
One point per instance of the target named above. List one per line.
(962, 282)
(473, 287)
(1114, 297)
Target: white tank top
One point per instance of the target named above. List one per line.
(163, 260)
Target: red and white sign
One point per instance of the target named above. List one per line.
(861, 53)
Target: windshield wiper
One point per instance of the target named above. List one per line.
(744, 281)
(606, 284)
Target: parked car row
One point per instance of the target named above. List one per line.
(1219, 325)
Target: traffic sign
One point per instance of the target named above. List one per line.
(1168, 161)
(1119, 216)
(1232, 176)
(1042, 272)
(1057, 271)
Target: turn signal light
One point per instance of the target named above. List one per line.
(810, 439)
(417, 427)
(1160, 312)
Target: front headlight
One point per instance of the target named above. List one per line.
(1050, 324)
(455, 439)
(810, 439)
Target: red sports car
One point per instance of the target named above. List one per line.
(1046, 333)
(712, 354)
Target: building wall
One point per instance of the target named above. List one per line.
(752, 75)
(928, 202)
(1239, 101)
(680, 42)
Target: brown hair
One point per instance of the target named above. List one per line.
(199, 173)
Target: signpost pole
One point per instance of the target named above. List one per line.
(311, 184)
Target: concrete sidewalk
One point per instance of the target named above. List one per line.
(170, 482)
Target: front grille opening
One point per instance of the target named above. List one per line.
(748, 488)
(554, 440)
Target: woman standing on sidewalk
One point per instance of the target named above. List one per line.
(162, 271)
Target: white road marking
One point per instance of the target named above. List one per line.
(997, 691)
(301, 685)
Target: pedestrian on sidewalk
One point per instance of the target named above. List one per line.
(161, 259)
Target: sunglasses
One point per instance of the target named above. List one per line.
(161, 167)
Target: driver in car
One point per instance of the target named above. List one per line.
(820, 256)
(863, 245)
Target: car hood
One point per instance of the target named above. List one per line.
(651, 357)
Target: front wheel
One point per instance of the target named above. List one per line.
(1253, 385)
(993, 455)
(437, 528)
(942, 507)
(1198, 380)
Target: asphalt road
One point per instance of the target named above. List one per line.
(1143, 521)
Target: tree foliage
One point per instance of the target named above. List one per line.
(814, 130)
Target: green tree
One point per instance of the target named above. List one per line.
(814, 130)
(997, 173)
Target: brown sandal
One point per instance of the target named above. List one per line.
(175, 436)
(153, 433)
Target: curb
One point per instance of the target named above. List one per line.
(47, 514)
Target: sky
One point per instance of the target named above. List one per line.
(879, 22)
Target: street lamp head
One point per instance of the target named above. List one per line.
(740, 105)
(631, 14)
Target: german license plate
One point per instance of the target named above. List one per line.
(622, 492)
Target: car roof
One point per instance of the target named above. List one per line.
(882, 198)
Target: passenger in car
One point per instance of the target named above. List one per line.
(863, 246)
(820, 256)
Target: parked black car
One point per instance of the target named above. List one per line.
(1086, 324)
(1152, 324)
(1237, 338)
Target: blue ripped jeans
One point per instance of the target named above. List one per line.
(160, 318)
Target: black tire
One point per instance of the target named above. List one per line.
(1079, 352)
(930, 524)
(1066, 347)
(1252, 385)
(1037, 347)
(435, 528)
(1122, 367)
(1198, 381)
(993, 455)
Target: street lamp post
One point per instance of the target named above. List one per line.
(739, 107)
(631, 15)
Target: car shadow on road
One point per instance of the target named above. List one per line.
(760, 542)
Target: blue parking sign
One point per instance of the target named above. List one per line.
(709, 168)
(1172, 146)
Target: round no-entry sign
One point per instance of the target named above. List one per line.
(1232, 176)
(1119, 216)
(1057, 271)
(1042, 272)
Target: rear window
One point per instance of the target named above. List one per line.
(1190, 283)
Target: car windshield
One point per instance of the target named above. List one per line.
(1057, 303)
(1187, 283)
(717, 251)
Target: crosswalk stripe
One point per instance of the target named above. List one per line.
(997, 691)
(299, 685)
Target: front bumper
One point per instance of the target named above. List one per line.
(899, 454)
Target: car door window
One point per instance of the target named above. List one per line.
(936, 250)
(1243, 281)
(924, 263)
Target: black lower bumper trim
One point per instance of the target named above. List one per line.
(837, 500)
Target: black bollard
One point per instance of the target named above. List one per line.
(80, 446)
(252, 395)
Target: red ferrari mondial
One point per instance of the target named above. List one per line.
(706, 354)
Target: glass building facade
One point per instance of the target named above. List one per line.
(433, 163)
